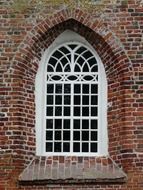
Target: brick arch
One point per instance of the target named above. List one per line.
(27, 59)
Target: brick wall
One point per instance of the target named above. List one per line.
(116, 35)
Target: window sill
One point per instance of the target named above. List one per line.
(72, 170)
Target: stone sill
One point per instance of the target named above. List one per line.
(71, 170)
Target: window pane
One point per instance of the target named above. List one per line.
(77, 88)
(49, 135)
(76, 135)
(57, 135)
(50, 88)
(76, 124)
(49, 100)
(58, 123)
(67, 88)
(85, 147)
(85, 124)
(93, 147)
(76, 147)
(66, 135)
(49, 147)
(66, 111)
(94, 111)
(49, 111)
(49, 124)
(66, 124)
(85, 111)
(94, 124)
(58, 111)
(58, 88)
(93, 135)
(94, 88)
(76, 111)
(85, 89)
(85, 100)
(66, 147)
(58, 100)
(57, 147)
(85, 136)
(94, 100)
(67, 100)
(77, 100)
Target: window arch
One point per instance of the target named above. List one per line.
(71, 99)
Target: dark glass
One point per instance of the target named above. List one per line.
(49, 111)
(49, 100)
(80, 50)
(57, 147)
(88, 77)
(92, 62)
(77, 88)
(76, 124)
(64, 50)
(93, 147)
(58, 123)
(67, 88)
(59, 68)
(56, 77)
(94, 100)
(80, 61)
(57, 54)
(76, 135)
(64, 61)
(94, 111)
(66, 147)
(58, 88)
(94, 88)
(58, 100)
(85, 68)
(66, 135)
(76, 147)
(85, 111)
(49, 124)
(85, 89)
(72, 46)
(94, 69)
(87, 54)
(85, 147)
(67, 68)
(49, 135)
(93, 135)
(50, 88)
(52, 62)
(49, 147)
(72, 77)
(85, 135)
(76, 111)
(67, 100)
(85, 100)
(77, 100)
(77, 68)
(49, 69)
(66, 124)
(58, 111)
(94, 124)
(57, 135)
(66, 111)
(85, 124)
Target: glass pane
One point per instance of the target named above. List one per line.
(76, 100)
(66, 147)
(49, 147)
(58, 111)
(76, 124)
(85, 100)
(66, 111)
(93, 147)
(58, 88)
(85, 111)
(76, 111)
(57, 54)
(76, 135)
(94, 124)
(85, 124)
(77, 88)
(57, 135)
(93, 135)
(49, 111)
(58, 123)
(58, 100)
(94, 100)
(94, 111)
(94, 89)
(50, 88)
(50, 100)
(85, 147)
(49, 135)
(49, 124)
(66, 135)
(67, 100)
(85, 136)
(76, 147)
(85, 89)
(57, 147)
(67, 88)
(66, 124)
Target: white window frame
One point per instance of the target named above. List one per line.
(65, 37)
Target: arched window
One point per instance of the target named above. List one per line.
(71, 99)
